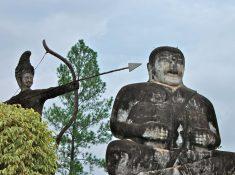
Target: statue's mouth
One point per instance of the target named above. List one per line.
(28, 84)
(173, 72)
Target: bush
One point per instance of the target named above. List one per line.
(26, 144)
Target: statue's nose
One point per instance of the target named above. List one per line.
(174, 66)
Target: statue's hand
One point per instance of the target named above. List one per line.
(204, 137)
(155, 131)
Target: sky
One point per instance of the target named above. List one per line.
(126, 31)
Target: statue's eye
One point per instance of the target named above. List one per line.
(166, 61)
(180, 61)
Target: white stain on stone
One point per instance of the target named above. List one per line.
(129, 121)
(122, 165)
(122, 114)
(157, 133)
(137, 169)
(212, 128)
(193, 103)
(162, 156)
(179, 140)
(177, 162)
(167, 171)
(176, 171)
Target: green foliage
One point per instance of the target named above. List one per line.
(26, 145)
(92, 126)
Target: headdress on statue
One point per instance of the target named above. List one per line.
(162, 49)
(24, 66)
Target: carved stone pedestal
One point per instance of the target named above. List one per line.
(222, 164)
(125, 157)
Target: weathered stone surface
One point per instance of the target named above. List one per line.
(220, 163)
(165, 127)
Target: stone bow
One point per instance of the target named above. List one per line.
(68, 64)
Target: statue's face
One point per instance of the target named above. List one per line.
(168, 68)
(27, 81)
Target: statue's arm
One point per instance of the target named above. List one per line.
(122, 127)
(10, 101)
(213, 125)
(118, 122)
(59, 90)
(124, 130)
(211, 135)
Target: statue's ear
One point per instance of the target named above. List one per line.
(19, 82)
(149, 71)
(148, 67)
(18, 78)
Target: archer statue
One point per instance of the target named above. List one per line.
(35, 99)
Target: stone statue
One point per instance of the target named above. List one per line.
(35, 99)
(165, 127)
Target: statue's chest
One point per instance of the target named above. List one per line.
(158, 106)
(30, 101)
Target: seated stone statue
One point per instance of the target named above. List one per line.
(165, 127)
(35, 99)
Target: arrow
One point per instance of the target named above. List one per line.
(131, 67)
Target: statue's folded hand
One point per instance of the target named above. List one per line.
(155, 131)
(204, 137)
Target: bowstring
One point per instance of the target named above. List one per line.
(34, 69)
(40, 61)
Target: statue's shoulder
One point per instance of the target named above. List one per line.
(140, 86)
(14, 98)
(199, 98)
(28, 94)
(135, 86)
(130, 89)
(138, 91)
(204, 100)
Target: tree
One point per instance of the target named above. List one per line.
(91, 126)
(26, 144)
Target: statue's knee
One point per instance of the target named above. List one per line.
(113, 145)
(118, 153)
(115, 148)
